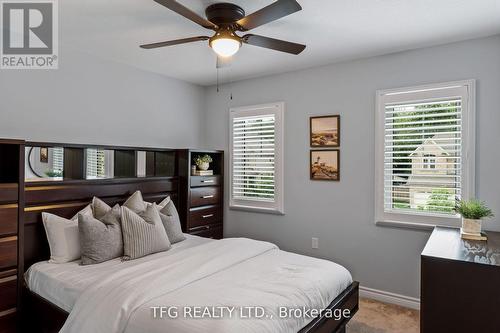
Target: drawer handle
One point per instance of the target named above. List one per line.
(207, 216)
(207, 196)
(207, 181)
(203, 227)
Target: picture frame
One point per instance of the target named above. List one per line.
(44, 155)
(324, 131)
(324, 164)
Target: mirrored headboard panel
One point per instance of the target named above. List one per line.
(52, 162)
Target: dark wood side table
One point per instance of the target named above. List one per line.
(460, 283)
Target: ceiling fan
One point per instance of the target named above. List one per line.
(225, 19)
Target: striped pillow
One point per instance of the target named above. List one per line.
(143, 233)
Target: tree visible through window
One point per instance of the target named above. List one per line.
(422, 143)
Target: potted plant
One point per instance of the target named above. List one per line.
(203, 162)
(472, 212)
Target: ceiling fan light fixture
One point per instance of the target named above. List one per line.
(225, 43)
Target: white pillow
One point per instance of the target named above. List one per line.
(63, 236)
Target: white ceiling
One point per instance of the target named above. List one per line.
(333, 30)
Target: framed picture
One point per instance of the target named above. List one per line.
(44, 155)
(325, 164)
(325, 131)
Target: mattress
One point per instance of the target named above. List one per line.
(234, 273)
(61, 284)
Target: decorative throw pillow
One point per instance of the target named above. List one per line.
(162, 204)
(63, 238)
(171, 223)
(143, 233)
(99, 208)
(85, 211)
(100, 240)
(135, 202)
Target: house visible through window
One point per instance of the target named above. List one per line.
(425, 152)
(256, 155)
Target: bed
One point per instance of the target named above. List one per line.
(226, 278)
(117, 296)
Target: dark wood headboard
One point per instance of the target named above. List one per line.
(67, 198)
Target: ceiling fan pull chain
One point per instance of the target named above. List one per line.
(217, 75)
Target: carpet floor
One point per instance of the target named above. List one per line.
(378, 317)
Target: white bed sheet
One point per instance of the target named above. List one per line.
(62, 284)
(197, 272)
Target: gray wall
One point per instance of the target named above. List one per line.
(88, 100)
(342, 214)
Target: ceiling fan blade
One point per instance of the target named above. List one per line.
(272, 43)
(274, 11)
(174, 42)
(187, 13)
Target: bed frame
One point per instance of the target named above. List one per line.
(67, 198)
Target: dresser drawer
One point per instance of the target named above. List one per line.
(8, 289)
(205, 181)
(204, 215)
(8, 219)
(210, 231)
(202, 196)
(8, 321)
(8, 252)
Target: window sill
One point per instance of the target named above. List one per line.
(257, 209)
(412, 225)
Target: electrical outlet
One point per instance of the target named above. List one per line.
(315, 243)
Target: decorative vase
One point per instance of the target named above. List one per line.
(204, 166)
(471, 226)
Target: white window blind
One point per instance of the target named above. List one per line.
(95, 163)
(256, 145)
(99, 163)
(57, 159)
(424, 152)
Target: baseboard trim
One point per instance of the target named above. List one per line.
(392, 298)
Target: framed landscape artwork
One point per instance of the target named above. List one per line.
(325, 131)
(325, 165)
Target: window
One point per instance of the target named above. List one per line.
(256, 158)
(429, 161)
(424, 153)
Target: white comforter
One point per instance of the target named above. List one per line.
(234, 272)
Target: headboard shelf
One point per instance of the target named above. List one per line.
(50, 161)
(95, 146)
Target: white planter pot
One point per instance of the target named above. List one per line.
(204, 166)
(471, 226)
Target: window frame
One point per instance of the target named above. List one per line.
(418, 93)
(429, 161)
(276, 207)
